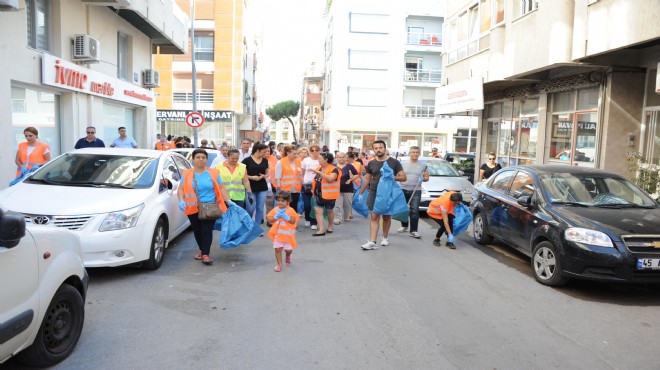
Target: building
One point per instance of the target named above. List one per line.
(79, 63)
(223, 70)
(564, 82)
(383, 64)
(311, 114)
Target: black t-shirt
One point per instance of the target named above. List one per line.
(374, 166)
(488, 172)
(346, 173)
(254, 169)
(319, 180)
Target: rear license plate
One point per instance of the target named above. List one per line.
(648, 263)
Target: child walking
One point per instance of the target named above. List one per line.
(283, 232)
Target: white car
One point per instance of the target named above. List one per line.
(443, 177)
(187, 153)
(121, 203)
(42, 295)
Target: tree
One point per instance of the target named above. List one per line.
(285, 109)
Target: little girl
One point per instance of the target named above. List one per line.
(283, 232)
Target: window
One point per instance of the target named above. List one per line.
(204, 47)
(365, 59)
(466, 33)
(367, 97)
(122, 56)
(38, 24)
(513, 131)
(522, 186)
(38, 109)
(502, 180)
(528, 6)
(368, 23)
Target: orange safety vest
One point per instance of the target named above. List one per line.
(165, 146)
(291, 176)
(189, 195)
(36, 157)
(272, 162)
(329, 190)
(283, 231)
(435, 210)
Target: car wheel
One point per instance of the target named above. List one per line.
(546, 265)
(480, 230)
(59, 331)
(158, 243)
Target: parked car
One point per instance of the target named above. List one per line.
(122, 203)
(42, 299)
(573, 222)
(443, 177)
(187, 153)
(462, 162)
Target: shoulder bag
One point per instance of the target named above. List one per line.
(206, 211)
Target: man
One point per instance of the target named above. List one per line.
(204, 144)
(412, 189)
(223, 156)
(350, 150)
(123, 141)
(441, 209)
(163, 144)
(90, 141)
(371, 179)
(245, 149)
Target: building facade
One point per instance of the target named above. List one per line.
(71, 64)
(563, 82)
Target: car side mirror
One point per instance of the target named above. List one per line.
(525, 201)
(12, 229)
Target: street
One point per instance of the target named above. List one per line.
(407, 305)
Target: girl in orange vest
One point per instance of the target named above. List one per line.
(283, 231)
(326, 190)
(31, 153)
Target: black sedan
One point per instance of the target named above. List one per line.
(573, 222)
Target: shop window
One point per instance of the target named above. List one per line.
(587, 99)
(563, 101)
(40, 110)
(38, 23)
(115, 116)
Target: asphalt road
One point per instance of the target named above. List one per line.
(406, 306)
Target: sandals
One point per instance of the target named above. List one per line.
(288, 260)
(278, 268)
(198, 256)
(207, 260)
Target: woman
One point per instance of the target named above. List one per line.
(201, 184)
(348, 174)
(31, 153)
(326, 191)
(303, 153)
(235, 176)
(256, 166)
(350, 159)
(309, 164)
(270, 196)
(489, 168)
(288, 174)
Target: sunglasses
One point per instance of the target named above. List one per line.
(492, 159)
(315, 150)
(90, 132)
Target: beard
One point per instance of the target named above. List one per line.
(380, 154)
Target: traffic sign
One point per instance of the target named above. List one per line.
(194, 119)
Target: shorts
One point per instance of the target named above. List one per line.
(329, 205)
(286, 246)
(371, 199)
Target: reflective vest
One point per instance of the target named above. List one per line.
(272, 162)
(165, 145)
(291, 176)
(329, 190)
(189, 195)
(283, 231)
(36, 157)
(233, 182)
(435, 210)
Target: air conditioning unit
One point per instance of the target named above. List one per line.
(85, 49)
(107, 2)
(150, 78)
(8, 5)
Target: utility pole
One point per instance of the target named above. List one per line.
(194, 70)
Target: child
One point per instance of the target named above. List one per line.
(283, 232)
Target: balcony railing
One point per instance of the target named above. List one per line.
(423, 75)
(419, 111)
(416, 38)
(186, 96)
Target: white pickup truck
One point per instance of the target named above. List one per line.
(43, 284)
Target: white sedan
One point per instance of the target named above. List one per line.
(443, 177)
(121, 203)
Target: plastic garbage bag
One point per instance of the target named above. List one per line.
(389, 196)
(23, 175)
(236, 227)
(359, 203)
(250, 204)
(462, 219)
(300, 207)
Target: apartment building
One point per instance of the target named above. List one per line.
(69, 64)
(383, 64)
(224, 75)
(571, 82)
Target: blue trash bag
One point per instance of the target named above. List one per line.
(236, 227)
(300, 207)
(462, 219)
(250, 205)
(23, 175)
(389, 196)
(359, 203)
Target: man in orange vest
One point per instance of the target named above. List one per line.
(441, 210)
(163, 144)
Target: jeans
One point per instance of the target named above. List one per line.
(203, 231)
(441, 230)
(260, 199)
(294, 201)
(270, 201)
(307, 200)
(414, 208)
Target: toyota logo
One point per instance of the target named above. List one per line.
(41, 220)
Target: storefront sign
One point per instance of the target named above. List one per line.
(463, 96)
(65, 75)
(175, 115)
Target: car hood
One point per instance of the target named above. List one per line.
(69, 200)
(619, 221)
(438, 183)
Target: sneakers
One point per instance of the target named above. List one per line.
(415, 235)
(369, 245)
(450, 245)
(402, 229)
(278, 268)
(384, 242)
(314, 227)
(436, 242)
(337, 222)
(307, 223)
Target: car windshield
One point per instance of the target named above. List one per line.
(98, 170)
(441, 168)
(593, 190)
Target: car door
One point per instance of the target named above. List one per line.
(170, 172)
(519, 220)
(493, 201)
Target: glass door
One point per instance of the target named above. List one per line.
(651, 138)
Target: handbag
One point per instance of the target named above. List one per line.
(207, 211)
(307, 188)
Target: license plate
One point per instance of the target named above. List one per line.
(648, 263)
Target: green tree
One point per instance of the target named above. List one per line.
(285, 109)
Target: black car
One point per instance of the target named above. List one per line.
(462, 162)
(573, 222)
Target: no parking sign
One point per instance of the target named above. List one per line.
(194, 119)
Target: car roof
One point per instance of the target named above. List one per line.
(120, 151)
(558, 168)
(192, 149)
(461, 154)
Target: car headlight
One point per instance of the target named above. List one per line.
(121, 219)
(586, 236)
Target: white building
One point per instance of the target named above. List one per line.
(69, 64)
(383, 65)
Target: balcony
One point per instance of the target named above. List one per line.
(419, 111)
(423, 75)
(424, 39)
(186, 96)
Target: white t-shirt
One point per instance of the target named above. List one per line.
(308, 165)
(217, 160)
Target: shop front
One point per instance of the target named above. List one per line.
(218, 124)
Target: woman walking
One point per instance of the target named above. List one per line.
(326, 191)
(257, 171)
(348, 174)
(309, 164)
(288, 174)
(234, 175)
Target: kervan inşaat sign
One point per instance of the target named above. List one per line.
(175, 115)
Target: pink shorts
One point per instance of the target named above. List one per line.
(286, 246)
